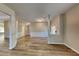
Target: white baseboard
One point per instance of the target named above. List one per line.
(54, 43)
(71, 48)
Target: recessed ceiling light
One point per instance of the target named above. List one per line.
(28, 23)
(40, 20)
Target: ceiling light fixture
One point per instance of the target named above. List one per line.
(40, 20)
(27, 23)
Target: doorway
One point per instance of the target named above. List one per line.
(4, 30)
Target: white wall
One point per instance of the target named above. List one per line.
(56, 22)
(56, 38)
(12, 27)
(39, 29)
(22, 29)
(19, 25)
(72, 28)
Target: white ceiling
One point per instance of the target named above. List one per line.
(33, 11)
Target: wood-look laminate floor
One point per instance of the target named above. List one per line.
(27, 46)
